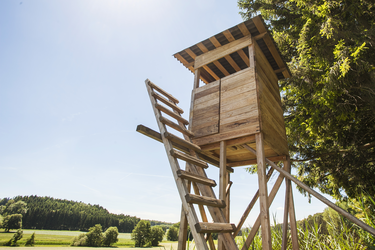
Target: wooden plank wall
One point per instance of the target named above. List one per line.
(206, 109)
(271, 113)
(238, 104)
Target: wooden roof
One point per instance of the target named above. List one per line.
(238, 60)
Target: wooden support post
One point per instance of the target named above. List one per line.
(182, 234)
(256, 225)
(286, 207)
(223, 182)
(263, 193)
(293, 221)
(250, 206)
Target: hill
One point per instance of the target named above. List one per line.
(57, 214)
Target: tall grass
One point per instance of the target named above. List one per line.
(343, 236)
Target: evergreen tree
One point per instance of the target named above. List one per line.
(329, 101)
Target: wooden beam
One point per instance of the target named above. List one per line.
(222, 51)
(204, 227)
(156, 136)
(256, 225)
(217, 63)
(223, 182)
(271, 46)
(237, 141)
(293, 221)
(161, 91)
(263, 194)
(252, 162)
(250, 207)
(286, 208)
(321, 197)
(209, 71)
(244, 30)
(242, 54)
(204, 217)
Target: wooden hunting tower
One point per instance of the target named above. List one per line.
(241, 67)
(236, 119)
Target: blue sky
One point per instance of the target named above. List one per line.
(72, 92)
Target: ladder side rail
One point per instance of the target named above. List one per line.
(216, 213)
(182, 189)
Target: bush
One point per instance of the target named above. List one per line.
(80, 240)
(94, 236)
(172, 234)
(30, 241)
(16, 237)
(141, 233)
(110, 236)
(157, 234)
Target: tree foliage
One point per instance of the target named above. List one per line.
(172, 234)
(141, 233)
(329, 101)
(13, 221)
(110, 236)
(58, 214)
(156, 236)
(94, 236)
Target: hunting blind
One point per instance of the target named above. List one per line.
(236, 119)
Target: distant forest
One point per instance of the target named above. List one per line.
(57, 214)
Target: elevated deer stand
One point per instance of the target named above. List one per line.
(236, 119)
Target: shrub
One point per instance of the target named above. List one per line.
(30, 241)
(94, 236)
(80, 240)
(157, 234)
(110, 236)
(16, 237)
(172, 234)
(141, 233)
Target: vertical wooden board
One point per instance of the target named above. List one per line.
(238, 103)
(271, 112)
(206, 108)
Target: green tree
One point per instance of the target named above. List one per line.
(19, 207)
(329, 101)
(172, 234)
(94, 236)
(13, 221)
(30, 241)
(141, 233)
(157, 234)
(110, 236)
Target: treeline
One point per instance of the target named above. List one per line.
(57, 214)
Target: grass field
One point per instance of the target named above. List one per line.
(58, 238)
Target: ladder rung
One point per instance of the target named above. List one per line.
(204, 200)
(182, 142)
(171, 113)
(176, 126)
(206, 227)
(189, 158)
(166, 102)
(161, 91)
(195, 178)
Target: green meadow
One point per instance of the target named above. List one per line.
(58, 238)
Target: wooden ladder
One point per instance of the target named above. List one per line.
(164, 103)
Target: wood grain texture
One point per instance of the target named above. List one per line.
(206, 108)
(222, 51)
(204, 200)
(205, 227)
(195, 178)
